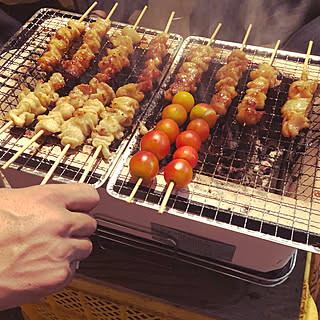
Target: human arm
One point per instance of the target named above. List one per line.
(43, 232)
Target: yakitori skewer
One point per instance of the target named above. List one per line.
(295, 110)
(33, 103)
(251, 108)
(91, 45)
(117, 57)
(228, 77)
(100, 147)
(59, 43)
(190, 73)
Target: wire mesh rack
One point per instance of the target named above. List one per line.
(251, 180)
(18, 69)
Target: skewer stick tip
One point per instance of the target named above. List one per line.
(169, 22)
(134, 190)
(304, 75)
(88, 11)
(274, 52)
(246, 37)
(166, 197)
(90, 164)
(214, 33)
(112, 11)
(140, 16)
(6, 126)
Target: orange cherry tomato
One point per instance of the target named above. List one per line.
(205, 112)
(201, 127)
(187, 153)
(156, 142)
(178, 171)
(175, 112)
(169, 127)
(188, 138)
(144, 164)
(184, 98)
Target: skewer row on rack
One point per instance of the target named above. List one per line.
(114, 118)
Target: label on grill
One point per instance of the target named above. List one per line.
(193, 244)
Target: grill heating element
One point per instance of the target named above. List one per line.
(252, 180)
(18, 68)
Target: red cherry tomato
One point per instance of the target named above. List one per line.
(175, 112)
(178, 171)
(156, 142)
(201, 127)
(188, 138)
(187, 153)
(169, 127)
(144, 164)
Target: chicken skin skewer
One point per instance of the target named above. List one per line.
(34, 103)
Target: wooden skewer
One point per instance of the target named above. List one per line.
(246, 37)
(24, 147)
(56, 163)
(90, 165)
(166, 197)
(88, 11)
(214, 34)
(140, 17)
(134, 190)
(304, 74)
(169, 22)
(274, 53)
(112, 11)
(6, 126)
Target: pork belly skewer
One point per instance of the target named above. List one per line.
(114, 121)
(64, 109)
(298, 105)
(91, 46)
(190, 73)
(60, 42)
(33, 103)
(229, 76)
(250, 110)
(117, 58)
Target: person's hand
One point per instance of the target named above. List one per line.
(43, 233)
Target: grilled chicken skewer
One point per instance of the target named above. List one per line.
(91, 46)
(190, 73)
(60, 42)
(64, 110)
(117, 57)
(250, 110)
(150, 74)
(298, 105)
(229, 76)
(33, 103)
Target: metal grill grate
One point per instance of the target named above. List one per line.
(18, 68)
(252, 179)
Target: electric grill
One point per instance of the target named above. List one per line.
(254, 197)
(240, 216)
